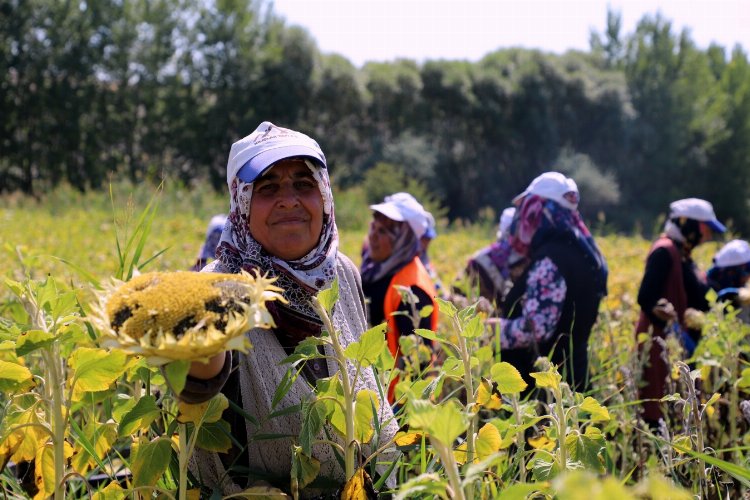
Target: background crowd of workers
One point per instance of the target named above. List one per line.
(541, 282)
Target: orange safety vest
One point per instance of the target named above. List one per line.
(413, 274)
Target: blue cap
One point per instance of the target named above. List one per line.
(268, 144)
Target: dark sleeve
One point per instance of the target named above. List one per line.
(199, 390)
(404, 321)
(695, 286)
(658, 266)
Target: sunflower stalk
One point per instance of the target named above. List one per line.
(55, 375)
(348, 404)
(184, 455)
(470, 398)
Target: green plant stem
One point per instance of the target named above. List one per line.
(734, 402)
(451, 468)
(470, 400)
(701, 446)
(562, 449)
(58, 421)
(470, 396)
(55, 377)
(183, 461)
(519, 422)
(349, 443)
(330, 443)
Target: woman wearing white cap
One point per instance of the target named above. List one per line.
(282, 223)
(671, 285)
(552, 307)
(391, 259)
(729, 276)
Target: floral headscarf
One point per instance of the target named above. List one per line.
(405, 248)
(537, 219)
(301, 278)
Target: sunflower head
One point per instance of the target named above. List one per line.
(184, 315)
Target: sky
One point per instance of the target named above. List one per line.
(384, 30)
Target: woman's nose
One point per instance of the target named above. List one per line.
(287, 196)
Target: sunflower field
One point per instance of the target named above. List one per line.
(83, 418)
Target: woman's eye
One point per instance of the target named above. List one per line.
(304, 185)
(265, 188)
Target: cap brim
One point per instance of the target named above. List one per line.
(430, 233)
(519, 197)
(259, 163)
(716, 226)
(389, 211)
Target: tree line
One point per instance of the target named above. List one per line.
(151, 88)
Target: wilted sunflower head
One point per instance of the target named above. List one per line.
(184, 315)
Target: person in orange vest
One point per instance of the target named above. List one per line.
(391, 259)
(671, 285)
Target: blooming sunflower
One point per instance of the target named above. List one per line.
(169, 316)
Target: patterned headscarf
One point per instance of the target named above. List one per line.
(405, 248)
(538, 219)
(301, 278)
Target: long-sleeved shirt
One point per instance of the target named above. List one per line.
(541, 308)
(658, 266)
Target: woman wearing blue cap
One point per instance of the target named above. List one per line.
(729, 276)
(671, 285)
(281, 222)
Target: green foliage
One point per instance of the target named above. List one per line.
(151, 461)
(159, 90)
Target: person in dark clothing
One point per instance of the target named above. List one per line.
(672, 284)
(553, 306)
(729, 276)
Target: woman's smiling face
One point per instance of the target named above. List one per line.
(286, 210)
(381, 236)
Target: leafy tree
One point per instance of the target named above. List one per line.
(727, 181)
(679, 120)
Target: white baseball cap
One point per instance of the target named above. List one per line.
(431, 231)
(553, 186)
(267, 144)
(734, 253)
(403, 207)
(696, 209)
(506, 218)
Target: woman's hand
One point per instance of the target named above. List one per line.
(209, 370)
(664, 310)
(694, 319)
